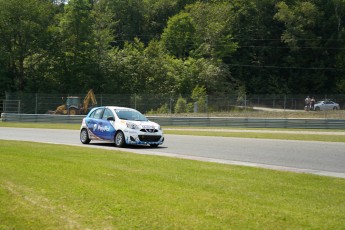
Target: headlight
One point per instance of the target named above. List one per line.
(131, 125)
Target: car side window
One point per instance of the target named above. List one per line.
(92, 114)
(107, 113)
(98, 114)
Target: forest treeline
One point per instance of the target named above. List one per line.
(172, 47)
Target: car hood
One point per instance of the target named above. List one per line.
(145, 124)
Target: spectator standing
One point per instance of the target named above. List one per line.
(307, 103)
(312, 103)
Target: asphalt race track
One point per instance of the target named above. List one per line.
(321, 158)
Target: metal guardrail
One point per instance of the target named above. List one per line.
(251, 122)
(238, 122)
(47, 118)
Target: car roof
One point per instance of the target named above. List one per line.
(115, 107)
(119, 108)
(111, 107)
(326, 101)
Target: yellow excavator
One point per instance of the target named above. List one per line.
(74, 106)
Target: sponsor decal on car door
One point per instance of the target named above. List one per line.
(99, 126)
(103, 129)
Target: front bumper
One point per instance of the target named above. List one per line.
(133, 137)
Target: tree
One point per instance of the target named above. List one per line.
(5, 80)
(255, 64)
(300, 22)
(103, 32)
(212, 37)
(333, 29)
(301, 33)
(157, 14)
(23, 26)
(162, 70)
(77, 46)
(129, 18)
(172, 46)
(178, 35)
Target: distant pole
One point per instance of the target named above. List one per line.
(245, 101)
(18, 106)
(170, 110)
(207, 105)
(36, 103)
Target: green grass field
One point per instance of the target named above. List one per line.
(40, 125)
(61, 187)
(263, 135)
(46, 186)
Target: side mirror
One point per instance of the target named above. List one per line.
(110, 119)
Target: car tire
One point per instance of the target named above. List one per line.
(84, 136)
(120, 139)
(154, 145)
(335, 108)
(317, 108)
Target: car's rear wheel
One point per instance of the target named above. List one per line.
(84, 136)
(317, 108)
(120, 139)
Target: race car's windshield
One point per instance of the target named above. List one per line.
(130, 115)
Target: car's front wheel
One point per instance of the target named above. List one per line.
(120, 139)
(84, 136)
(335, 108)
(317, 108)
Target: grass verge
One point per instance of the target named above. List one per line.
(262, 135)
(40, 125)
(62, 187)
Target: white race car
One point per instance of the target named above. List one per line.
(120, 125)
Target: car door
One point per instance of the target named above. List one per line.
(107, 124)
(323, 105)
(328, 105)
(93, 122)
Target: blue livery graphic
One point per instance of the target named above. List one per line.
(120, 125)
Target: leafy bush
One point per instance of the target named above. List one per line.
(164, 109)
(182, 106)
(199, 96)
